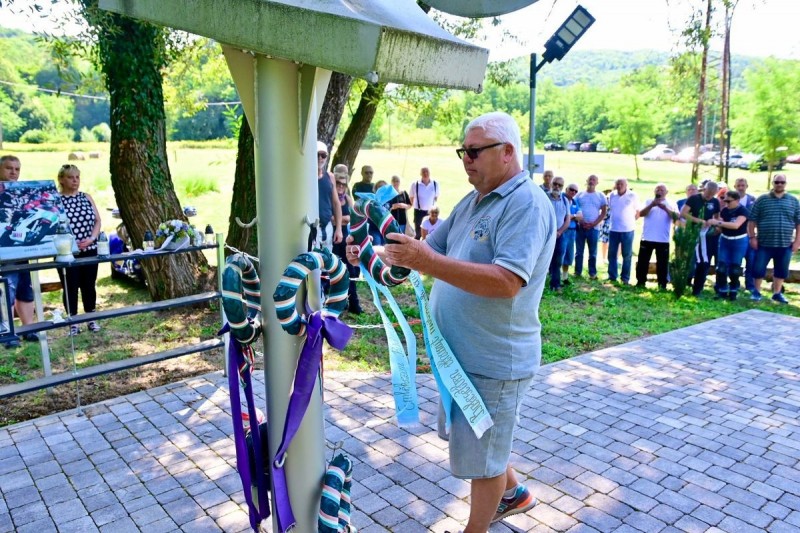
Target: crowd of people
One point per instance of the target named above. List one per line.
(336, 207)
(84, 222)
(739, 234)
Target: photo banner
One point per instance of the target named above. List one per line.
(30, 212)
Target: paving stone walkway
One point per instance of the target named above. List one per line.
(695, 430)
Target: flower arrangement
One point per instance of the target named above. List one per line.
(176, 233)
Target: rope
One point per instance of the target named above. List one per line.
(237, 251)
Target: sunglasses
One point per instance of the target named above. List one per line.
(559, 185)
(779, 182)
(572, 190)
(474, 152)
(321, 155)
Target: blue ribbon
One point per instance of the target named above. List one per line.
(452, 381)
(381, 196)
(320, 327)
(402, 362)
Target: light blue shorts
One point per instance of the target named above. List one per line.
(487, 457)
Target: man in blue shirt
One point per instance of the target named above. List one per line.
(490, 260)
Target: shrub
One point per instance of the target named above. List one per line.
(680, 267)
(34, 136)
(102, 132)
(196, 186)
(86, 136)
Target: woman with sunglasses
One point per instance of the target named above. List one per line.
(732, 245)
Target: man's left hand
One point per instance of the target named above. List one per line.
(337, 235)
(407, 252)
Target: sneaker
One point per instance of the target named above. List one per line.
(74, 330)
(756, 296)
(12, 343)
(93, 326)
(780, 298)
(522, 501)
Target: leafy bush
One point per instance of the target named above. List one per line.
(86, 136)
(197, 186)
(102, 132)
(680, 267)
(34, 136)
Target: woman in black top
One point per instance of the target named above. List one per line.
(399, 204)
(732, 245)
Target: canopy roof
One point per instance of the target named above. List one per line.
(479, 8)
(391, 39)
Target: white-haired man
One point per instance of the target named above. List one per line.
(489, 259)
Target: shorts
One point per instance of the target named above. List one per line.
(780, 256)
(25, 287)
(487, 457)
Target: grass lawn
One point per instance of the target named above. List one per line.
(586, 316)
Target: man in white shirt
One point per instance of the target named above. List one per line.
(659, 214)
(424, 193)
(624, 205)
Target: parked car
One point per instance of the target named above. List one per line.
(573, 146)
(684, 156)
(760, 163)
(553, 147)
(588, 147)
(793, 159)
(658, 154)
(733, 160)
(707, 158)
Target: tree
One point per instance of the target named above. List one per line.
(243, 203)
(131, 55)
(636, 118)
(769, 122)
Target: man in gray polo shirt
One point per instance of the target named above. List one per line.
(490, 259)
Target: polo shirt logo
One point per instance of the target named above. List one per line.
(480, 231)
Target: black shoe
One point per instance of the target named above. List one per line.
(732, 296)
(30, 337)
(355, 309)
(13, 343)
(566, 282)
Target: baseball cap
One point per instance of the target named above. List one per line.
(322, 147)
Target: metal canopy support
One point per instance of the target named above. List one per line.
(284, 100)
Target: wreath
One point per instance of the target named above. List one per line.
(175, 232)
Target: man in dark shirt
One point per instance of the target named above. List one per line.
(774, 231)
(699, 209)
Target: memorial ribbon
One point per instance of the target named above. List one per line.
(402, 362)
(321, 326)
(451, 379)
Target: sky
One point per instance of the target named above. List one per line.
(760, 27)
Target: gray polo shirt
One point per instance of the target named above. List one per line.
(514, 226)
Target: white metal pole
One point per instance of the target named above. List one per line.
(532, 136)
(286, 191)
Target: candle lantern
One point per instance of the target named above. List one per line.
(149, 243)
(63, 242)
(210, 239)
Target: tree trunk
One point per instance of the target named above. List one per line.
(333, 107)
(701, 91)
(243, 204)
(132, 55)
(359, 126)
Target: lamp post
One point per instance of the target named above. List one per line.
(556, 47)
(728, 133)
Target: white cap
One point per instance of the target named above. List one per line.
(322, 147)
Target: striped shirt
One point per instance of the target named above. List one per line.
(775, 219)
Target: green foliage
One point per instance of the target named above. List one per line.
(102, 132)
(680, 267)
(194, 186)
(86, 136)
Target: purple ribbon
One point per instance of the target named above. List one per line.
(319, 327)
(235, 358)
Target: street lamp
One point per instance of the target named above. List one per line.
(728, 133)
(556, 47)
